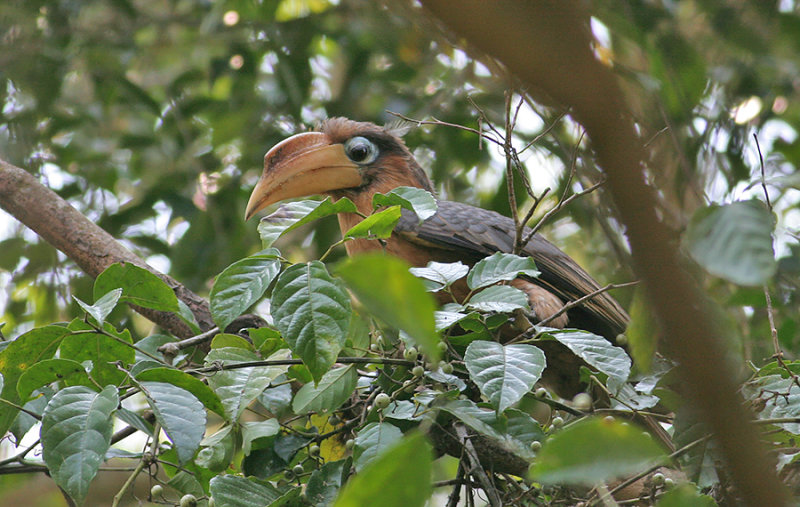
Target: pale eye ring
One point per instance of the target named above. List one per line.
(361, 150)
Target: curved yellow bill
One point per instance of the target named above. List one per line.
(302, 165)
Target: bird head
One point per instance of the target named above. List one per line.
(344, 158)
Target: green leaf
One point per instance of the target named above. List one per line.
(139, 286)
(685, 495)
(102, 350)
(500, 267)
(312, 312)
(255, 430)
(504, 373)
(324, 483)
(414, 199)
(241, 284)
(498, 298)
(390, 292)
(181, 379)
(236, 491)
(734, 242)
(102, 307)
(238, 387)
(378, 225)
(372, 440)
(28, 349)
(48, 371)
(761, 391)
(593, 451)
(442, 274)
(477, 418)
(292, 215)
(522, 430)
(75, 434)
(597, 351)
(217, 450)
(400, 477)
(333, 389)
(446, 319)
(181, 415)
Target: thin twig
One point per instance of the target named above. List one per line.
(572, 304)
(285, 362)
(476, 469)
(436, 122)
(558, 208)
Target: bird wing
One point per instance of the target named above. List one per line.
(475, 233)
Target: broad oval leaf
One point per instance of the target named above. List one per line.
(181, 415)
(390, 292)
(48, 371)
(734, 242)
(333, 389)
(292, 215)
(28, 349)
(236, 491)
(75, 434)
(377, 225)
(500, 267)
(103, 306)
(255, 430)
(504, 373)
(400, 477)
(324, 483)
(593, 451)
(446, 319)
(477, 418)
(312, 312)
(241, 284)
(443, 274)
(372, 440)
(498, 298)
(418, 200)
(185, 381)
(103, 350)
(238, 387)
(139, 286)
(597, 351)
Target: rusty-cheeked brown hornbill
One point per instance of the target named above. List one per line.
(353, 159)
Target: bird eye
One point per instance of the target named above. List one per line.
(361, 150)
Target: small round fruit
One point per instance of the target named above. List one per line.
(608, 419)
(446, 367)
(157, 490)
(288, 475)
(418, 371)
(668, 483)
(410, 354)
(442, 346)
(334, 420)
(658, 479)
(382, 401)
(313, 450)
(297, 469)
(536, 445)
(582, 401)
(622, 339)
(557, 422)
(541, 392)
(349, 444)
(188, 501)
(374, 347)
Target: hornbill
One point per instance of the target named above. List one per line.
(345, 158)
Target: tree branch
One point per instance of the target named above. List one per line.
(547, 44)
(89, 246)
